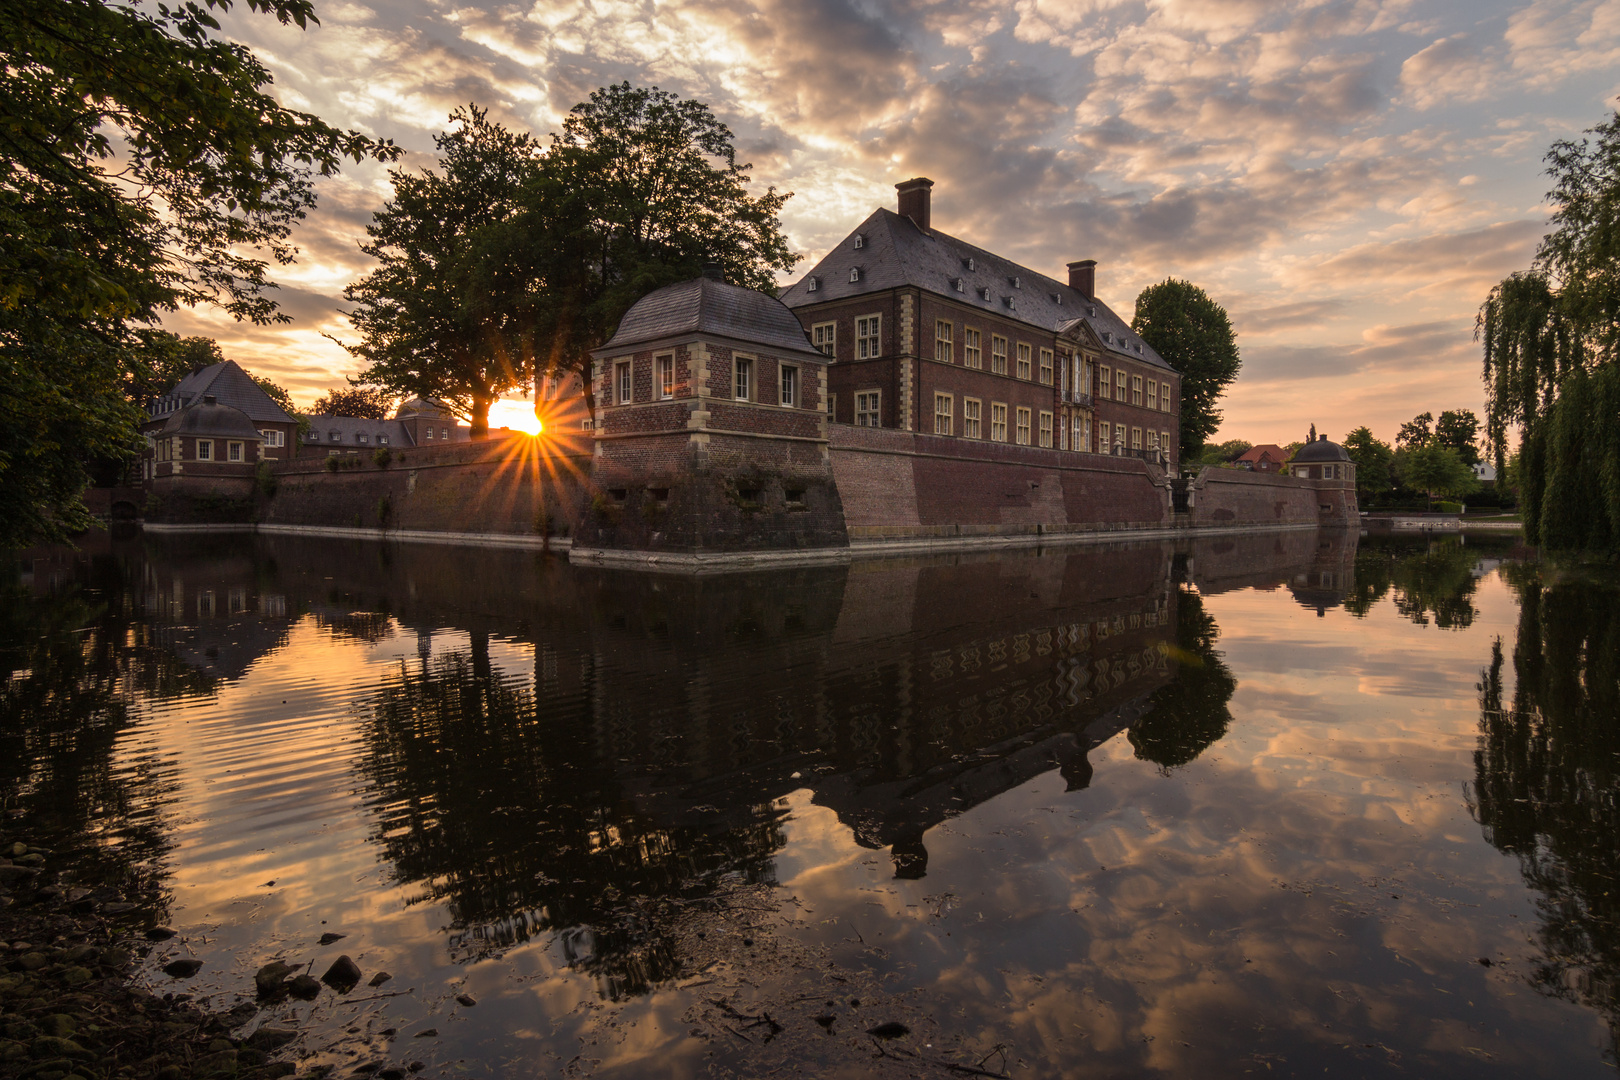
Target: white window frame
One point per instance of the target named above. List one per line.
(1024, 421)
(998, 356)
(1105, 436)
(1164, 397)
(1165, 443)
(1136, 390)
(1025, 359)
(869, 408)
(787, 386)
(944, 421)
(998, 421)
(664, 373)
(1105, 382)
(235, 451)
(943, 343)
(624, 382)
(1048, 366)
(742, 378)
(1047, 425)
(868, 337)
(1120, 376)
(824, 336)
(1153, 394)
(1136, 438)
(972, 348)
(972, 418)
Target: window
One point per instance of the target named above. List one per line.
(444, 433)
(624, 382)
(362, 438)
(334, 436)
(944, 414)
(854, 273)
(1153, 394)
(998, 354)
(1104, 385)
(1165, 443)
(1023, 361)
(333, 453)
(1136, 438)
(1046, 429)
(273, 437)
(742, 379)
(1104, 435)
(942, 342)
(970, 419)
(868, 411)
(1022, 434)
(1119, 384)
(233, 451)
(1164, 397)
(1152, 440)
(666, 376)
(860, 241)
(789, 386)
(824, 336)
(832, 413)
(205, 449)
(1046, 366)
(811, 284)
(1136, 389)
(998, 421)
(1081, 439)
(430, 433)
(868, 331)
(972, 356)
(382, 440)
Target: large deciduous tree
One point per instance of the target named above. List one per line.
(1194, 335)
(448, 313)
(361, 402)
(1374, 461)
(1551, 338)
(1459, 429)
(143, 166)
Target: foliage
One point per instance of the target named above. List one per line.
(382, 457)
(276, 392)
(1546, 788)
(161, 360)
(1374, 461)
(1554, 329)
(1435, 582)
(516, 264)
(1435, 470)
(1575, 499)
(1195, 337)
(144, 168)
(1416, 431)
(361, 402)
(1459, 429)
(1192, 712)
(447, 313)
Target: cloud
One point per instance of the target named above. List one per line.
(1468, 262)
(1447, 71)
(1290, 316)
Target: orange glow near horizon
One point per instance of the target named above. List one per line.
(514, 413)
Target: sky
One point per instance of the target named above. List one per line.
(1348, 178)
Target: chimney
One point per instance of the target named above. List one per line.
(1083, 278)
(714, 271)
(915, 199)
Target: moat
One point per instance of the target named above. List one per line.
(1298, 803)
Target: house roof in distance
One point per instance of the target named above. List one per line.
(709, 307)
(1256, 453)
(895, 253)
(1321, 450)
(229, 385)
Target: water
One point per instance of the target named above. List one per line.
(1261, 804)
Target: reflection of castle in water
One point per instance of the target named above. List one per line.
(649, 751)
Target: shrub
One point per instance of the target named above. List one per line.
(264, 479)
(1448, 507)
(331, 463)
(382, 457)
(385, 510)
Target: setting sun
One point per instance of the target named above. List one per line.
(514, 413)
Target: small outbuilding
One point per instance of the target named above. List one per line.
(1320, 459)
(208, 438)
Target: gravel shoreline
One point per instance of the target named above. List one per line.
(69, 1007)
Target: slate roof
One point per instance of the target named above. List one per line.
(713, 308)
(1321, 450)
(212, 419)
(231, 386)
(1254, 453)
(895, 253)
(350, 428)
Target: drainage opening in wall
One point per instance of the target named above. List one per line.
(618, 494)
(748, 494)
(659, 494)
(795, 495)
(1326, 509)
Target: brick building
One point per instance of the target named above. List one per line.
(224, 384)
(931, 334)
(710, 433)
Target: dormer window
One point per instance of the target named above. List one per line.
(1012, 304)
(961, 284)
(1108, 337)
(854, 273)
(1015, 283)
(860, 241)
(1091, 310)
(1057, 298)
(969, 264)
(984, 294)
(1139, 346)
(811, 284)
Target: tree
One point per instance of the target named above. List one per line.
(276, 392)
(448, 313)
(162, 359)
(145, 168)
(358, 401)
(1194, 335)
(1415, 432)
(1458, 429)
(1435, 470)
(1553, 331)
(1374, 461)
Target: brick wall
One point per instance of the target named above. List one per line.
(1239, 497)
